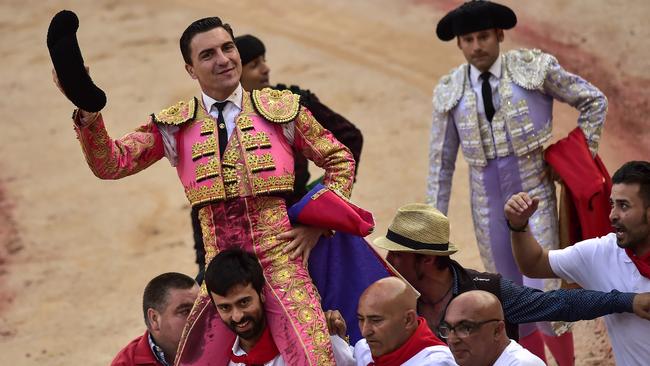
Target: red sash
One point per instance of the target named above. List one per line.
(641, 263)
(262, 352)
(421, 339)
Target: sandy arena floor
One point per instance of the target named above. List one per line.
(76, 252)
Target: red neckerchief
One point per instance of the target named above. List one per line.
(641, 263)
(262, 352)
(422, 338)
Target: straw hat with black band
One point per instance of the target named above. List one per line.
(418, 228)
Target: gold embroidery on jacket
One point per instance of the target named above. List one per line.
(178, 114)
(273, 184)
(207, 170)
(258, 163)
(244, 122)
(203, 194)
(277, 106)
(257, 141)
(208, 147)
(208, 126)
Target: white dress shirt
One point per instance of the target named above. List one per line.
(477, 84)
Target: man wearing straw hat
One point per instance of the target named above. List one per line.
(418, 247)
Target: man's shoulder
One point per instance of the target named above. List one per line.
(178, 113)
(515, 354)
(278, 106)
(606, 244)
(528, 67)
(362, 353)
(449, 89)
(432, 355)
(136, 352)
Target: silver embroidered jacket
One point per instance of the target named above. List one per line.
(530, 80)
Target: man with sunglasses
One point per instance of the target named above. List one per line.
(476, 333)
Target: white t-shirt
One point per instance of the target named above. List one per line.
(342, 353)
(433, 355)
(516, 355)
(599, 264)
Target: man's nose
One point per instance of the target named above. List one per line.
(452, 338)
(366, 329)
(613, 215)
(221, 57)
(237, 315)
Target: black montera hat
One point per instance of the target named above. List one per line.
(250, 48)
(474, 16)
(69, 64)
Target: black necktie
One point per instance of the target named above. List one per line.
(221, 126)
(486, 91)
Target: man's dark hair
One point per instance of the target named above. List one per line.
(635, 172)
(233, 267)
(156, 291)
(200, 26)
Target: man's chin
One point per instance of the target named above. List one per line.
(460, 356)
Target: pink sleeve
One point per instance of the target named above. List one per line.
(115, 159)
(320, 146)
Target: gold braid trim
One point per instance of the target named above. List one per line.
(177, 114)
(279, 106)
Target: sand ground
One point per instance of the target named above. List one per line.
(76, 252)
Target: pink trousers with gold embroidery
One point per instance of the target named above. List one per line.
(292, 304)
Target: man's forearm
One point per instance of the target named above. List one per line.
(523, 304)
(531, 258)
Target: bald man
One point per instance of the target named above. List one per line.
(476, 333)
(393, 332)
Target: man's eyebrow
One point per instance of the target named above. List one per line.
(185, 305)
(205, 50)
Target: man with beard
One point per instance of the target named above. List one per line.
(497, 107)
(619, 260)
(419, 248)
(234, 280)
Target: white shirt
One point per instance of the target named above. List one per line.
(342, 353)
(230, 111)
(516, 355)
(477, 84)
(599, 264)
(433, 355)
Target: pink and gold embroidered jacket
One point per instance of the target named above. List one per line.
(258, 159)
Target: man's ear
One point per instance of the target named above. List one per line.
(262, 298)
(500, 329)
(411, 319)
(190, 70)
(458, 42)
(154, 319)
(500, 35)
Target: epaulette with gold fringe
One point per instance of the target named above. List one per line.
(279, 106)
(177, 114)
